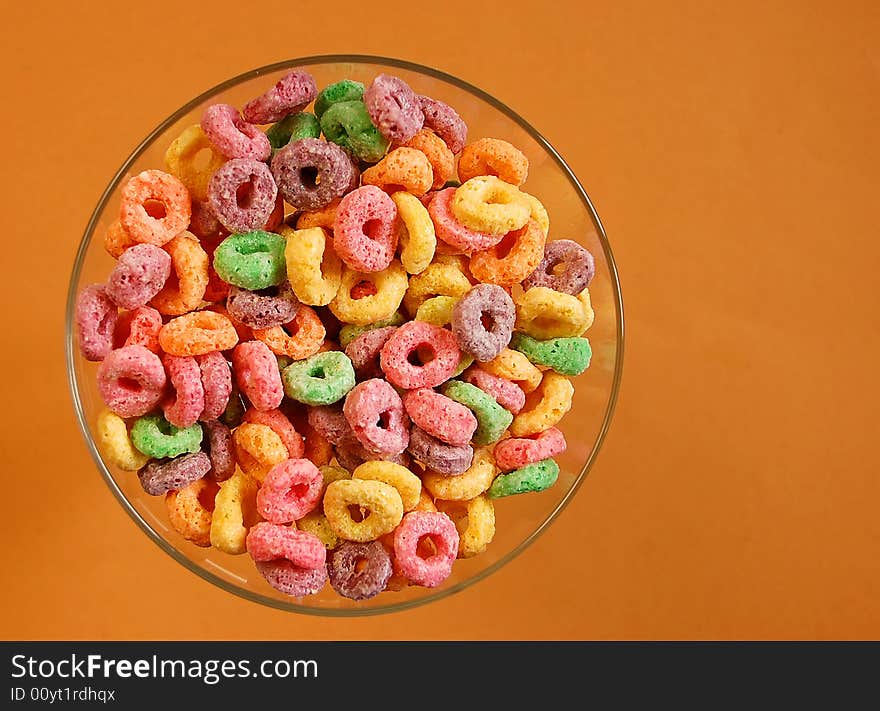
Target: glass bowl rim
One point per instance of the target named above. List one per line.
(70, 350)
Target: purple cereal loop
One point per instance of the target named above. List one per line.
(329, 422)
(484, 300)
(140, 273)
(131, 381)
(350, 454)
(265, 308)
(310, 173)
(96, 316)
(376, 415)
(578, 272)
(443, 120)
(359, 571)
(290, 579)
(291, 93)
(220, 450)
(160, 477)
(439, 457)
(258, 203)
(364, 350)
(232, 136)
(394, 108)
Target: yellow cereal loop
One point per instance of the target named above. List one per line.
(439, 279)
(487, 204)
(317, 524)
(389, 286)
(514, 366)
(115, 443)
(408, 485)
(475, 521)
(313, 269)
(543, 313)
(589, 314)
(415, 232)
(437, 310)
(538, 212)
(545, 406)
(379, 502)
(258, 448)
(191, 509)
(235, 512)
(464, 486)
(184, 162)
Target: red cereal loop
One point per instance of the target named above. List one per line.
(96, 317)
(139, 327)
(290, 490)
(409, 339)
(280, 425)
(376, 415)
(517, 452)
(506, 393)
(232, 136)
(216, 382)
(131, 381)
(185, 404)
(292, 93)
(257, 374)
(269, 541)
(414, 527)
(137, 195)
(363, 234)
(440, 416)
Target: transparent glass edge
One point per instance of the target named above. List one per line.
(108, 477)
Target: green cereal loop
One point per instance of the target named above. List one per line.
(156, 437)
(345, 90)
(322, 379)
(251, 260)
(348, 124)
(293, 128)
(532, 477)
(567, 356)
(349, 332)
(492, 419)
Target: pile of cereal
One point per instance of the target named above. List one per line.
(332, 354)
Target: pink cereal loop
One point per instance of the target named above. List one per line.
(507, 393)
(217, 383)
(232, 136)
(290, 490)
(440, 416)
(292, 93)
(363, 233)
(257, 374)
(185, 404)
(431, 571)
(269, 541)
(517, 452)
(408, 339)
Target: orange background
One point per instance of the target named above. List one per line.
(732, 154)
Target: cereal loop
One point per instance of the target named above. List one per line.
(232, 136)
(298, 339)
(465, 486)
(115, 443)
(377, 418)
(515, 367)
(96, 318)
(475, 521)
(515, 452)
(184, 406)
(443, 120)
(442, 159)
(363, 234)
(313, 268)
(415, 232)
(438, 346)
(487, 204)
(543, 313)
(242, 194)
(365, 308)
(197, 333)
(439, 279)
(405, 169)
(185, 288)
(258, 448)
(394, 108)
(290, 490)
(544, 407)
(116, 239)
(512, 259)
(131, 381)
(493, 156)
(183, 160)
(380, 500)
(532, 477)
(292, 93)
(440, 529)
(450, 231)
(139, 193)
(257, 375)
(359, 571)
(235, 511)
(408, 485)
(281, 425)
(191, 509)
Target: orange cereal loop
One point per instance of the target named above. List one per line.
(258, 448)
(191, 509)
(185, 288)
(325, 217)
(192, 159)
(493, 156)
(298, 339)
(405, 169)
(155, 207)
(442, 159)
(514, 366)
(197, 333)
(513, 258)
(319, 450)
(117, 240)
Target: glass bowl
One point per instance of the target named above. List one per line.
(520, 519)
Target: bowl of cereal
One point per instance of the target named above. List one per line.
(344, 335)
